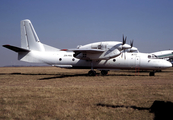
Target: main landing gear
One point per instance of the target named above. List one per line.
(93, 73)
(152, 73)
(104, 72)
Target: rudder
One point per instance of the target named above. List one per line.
(29, 38)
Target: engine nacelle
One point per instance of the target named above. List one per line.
(110, 53)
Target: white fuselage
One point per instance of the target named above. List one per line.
(126, 60)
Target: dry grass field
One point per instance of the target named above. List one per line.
(52, 93)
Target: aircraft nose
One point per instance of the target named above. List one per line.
(167, 64)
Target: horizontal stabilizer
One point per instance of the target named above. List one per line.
(16, 49)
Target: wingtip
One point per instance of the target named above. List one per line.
(6, 45)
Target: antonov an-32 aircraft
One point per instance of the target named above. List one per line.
(104, 56)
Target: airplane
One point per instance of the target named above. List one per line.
(104, 56)
(165, 54)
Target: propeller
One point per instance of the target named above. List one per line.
(131, 43)
(132, 48)
(124, 40)
(123, 43)
(126, 46)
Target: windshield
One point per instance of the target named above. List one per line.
(152, 56)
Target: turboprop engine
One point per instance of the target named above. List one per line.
(98, 51)
(101, 50)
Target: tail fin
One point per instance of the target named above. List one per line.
(30, 44)
(29, 38)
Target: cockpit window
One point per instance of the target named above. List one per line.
(152, 56)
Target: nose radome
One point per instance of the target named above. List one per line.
(167, 64)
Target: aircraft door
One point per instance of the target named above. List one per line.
(137, 61)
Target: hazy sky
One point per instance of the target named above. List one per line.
(68, 23)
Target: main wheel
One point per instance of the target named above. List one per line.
(92, 73)
(152, 74)
(104, 72)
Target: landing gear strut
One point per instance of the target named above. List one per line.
(92, 72)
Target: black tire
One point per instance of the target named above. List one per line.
(92, 73)
(152, 74)
(104, 72)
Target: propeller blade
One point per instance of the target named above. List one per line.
(124, 40)
(131, 43)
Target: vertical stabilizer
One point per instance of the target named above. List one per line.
(29, 38)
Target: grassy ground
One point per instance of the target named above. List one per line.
(53, 94)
